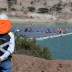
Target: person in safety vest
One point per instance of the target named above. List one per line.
(7, 44)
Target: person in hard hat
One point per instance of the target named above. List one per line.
(7, 44)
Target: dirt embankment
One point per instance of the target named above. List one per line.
(23, 63)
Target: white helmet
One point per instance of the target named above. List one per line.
(3, 16)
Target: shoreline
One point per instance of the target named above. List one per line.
(53, 36)
(21, 20)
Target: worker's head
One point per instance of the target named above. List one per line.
(5, 24)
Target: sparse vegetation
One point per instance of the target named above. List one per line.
(57, 7)
(10, 4)
(31, 9)
(29, 47)
(43, 10)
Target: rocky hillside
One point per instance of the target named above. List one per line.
(46, 9)
(23, 63)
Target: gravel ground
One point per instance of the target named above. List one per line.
(23, 63)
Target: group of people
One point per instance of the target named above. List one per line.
(58, 30)
(38, 32)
